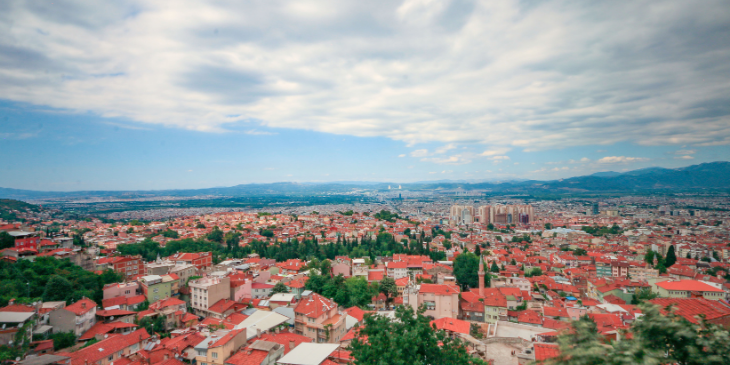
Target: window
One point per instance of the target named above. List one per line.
(215, 355)
(111, 358)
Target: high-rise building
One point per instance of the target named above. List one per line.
(506, 214)
(595, 209)
(461, 214)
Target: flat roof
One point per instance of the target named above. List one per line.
(15, 317)
(308, 354)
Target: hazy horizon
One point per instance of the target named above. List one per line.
(153, 96)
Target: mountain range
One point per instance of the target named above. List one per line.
(712, 175)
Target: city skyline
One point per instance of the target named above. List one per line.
(140, 96)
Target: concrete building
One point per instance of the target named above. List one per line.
(461, 214)
(207, 291)
(440, 300)
(155, 288)
(687, 289)
(76, 318)
(319, 318)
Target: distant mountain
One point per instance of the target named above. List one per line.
(606, 174)
(713, 175)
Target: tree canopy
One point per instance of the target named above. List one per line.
(656, 339)
(51, 279)
(409, 339)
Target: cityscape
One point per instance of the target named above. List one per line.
(324, 182)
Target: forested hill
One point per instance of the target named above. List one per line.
(713, 175)
(8, 206)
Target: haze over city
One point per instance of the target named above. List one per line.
(190, 94)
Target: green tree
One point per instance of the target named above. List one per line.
(62, 340)
(387, 286)
(6, 240)
(656, 338)
(494, 267)
(407, 339)
(280, 288)
(580, 252)
(649, 257)
(466, 267)
(215, 235)
(671, 257)
(361, 293)
(57, 289)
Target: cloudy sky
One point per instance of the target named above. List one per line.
(186, 94)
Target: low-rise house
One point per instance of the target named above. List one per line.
(687, 289)
(110, 349)
(154, 287)
(319, 318)
(441, 300)
(219, 346)
(77, 317)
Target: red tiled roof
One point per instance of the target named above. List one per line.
(439, 289)
(18, 308)
(107, 347)
(544, 351)
(285, 338)
(106, 303)
(114, 312)
(164, 303)
(82, 306)
(248, 357)
(452, 325)
(226, 338)
(101, 328)
(356, 313)
(375, 275)
(687, 285)
(221, 306)
(314, 306)
(690, 308)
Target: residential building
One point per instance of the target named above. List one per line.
(155, 288)
(77, 317)
(319, 318)
(110, 349)
(200, 259)
(441, 300)
(687, 289)
(207, 291)
(219, 346)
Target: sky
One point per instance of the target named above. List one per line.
(130, 95)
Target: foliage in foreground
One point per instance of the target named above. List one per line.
(51, 279)
(656, 339)
(408, 339)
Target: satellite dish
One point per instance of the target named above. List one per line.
(111, 318)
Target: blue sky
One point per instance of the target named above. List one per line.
(197, 94)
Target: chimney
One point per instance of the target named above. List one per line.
(292, 345)
(166, 356)
(11, 301)
(258, 332)
(83, 305)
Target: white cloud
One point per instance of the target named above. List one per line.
(505, 73)
(684, 157)
(621, 159)
(402, 155)
(499, 158)
(420, 153)
(685, 152)
(450, 160)
(495, 151)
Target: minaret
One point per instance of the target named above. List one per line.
(481, 277)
